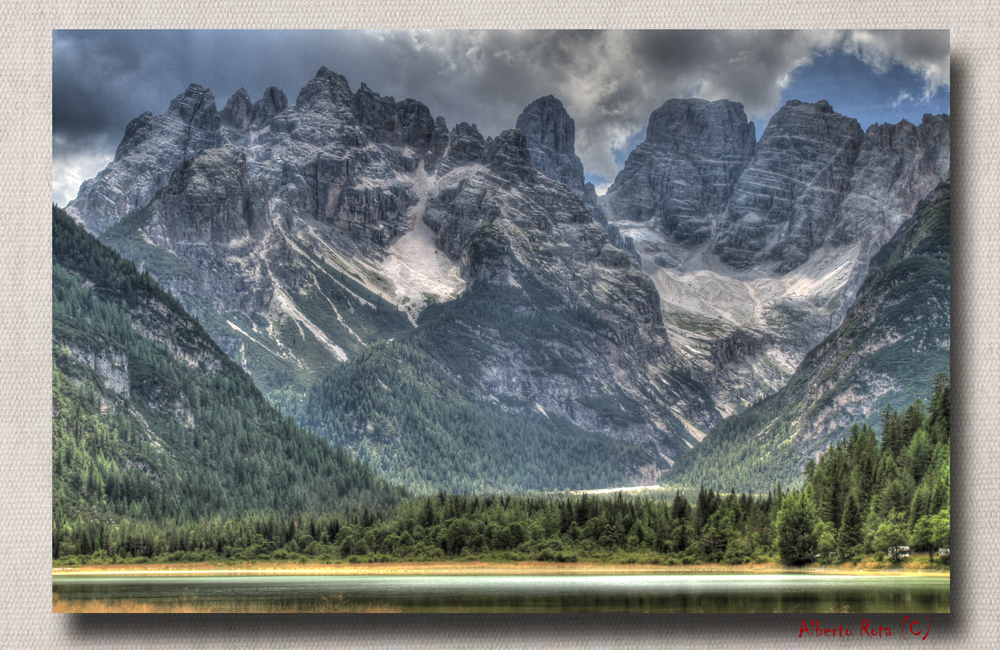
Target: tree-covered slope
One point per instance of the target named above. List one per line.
(894, 341)
(151, 419)
(395, 408)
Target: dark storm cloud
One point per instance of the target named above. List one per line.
(609, 81)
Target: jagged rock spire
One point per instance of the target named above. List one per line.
(551, 137)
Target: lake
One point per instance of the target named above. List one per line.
(675, 593)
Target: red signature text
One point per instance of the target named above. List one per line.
(909, 628)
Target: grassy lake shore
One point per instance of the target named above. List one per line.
(486, 568)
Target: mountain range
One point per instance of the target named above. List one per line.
(348, 249)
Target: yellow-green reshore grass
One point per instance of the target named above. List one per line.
(488, 568)
(332, 604)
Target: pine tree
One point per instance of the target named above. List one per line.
(796, 529)
(849, 537)
(888, 420)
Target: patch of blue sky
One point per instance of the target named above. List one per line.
(857, 90)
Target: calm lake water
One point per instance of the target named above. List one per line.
(679, 593)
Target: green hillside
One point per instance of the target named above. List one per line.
(397, 410)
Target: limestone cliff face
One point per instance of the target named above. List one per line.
(787, 201)
(238, 112)
(150, 150)
(892, 344)
(898, 165)
(682, 176)
(218, 223)
(551, 136)
(265, 108)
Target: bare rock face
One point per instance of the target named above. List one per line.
(337, 156)
(265, 108)
(377, 115)
(416, 125)
(891, 346)
(508, 157)
(408, 123)
(773, 244)
(110, 364)
(211, 211)
(897, 167)
(196, 107)
(787, 201)
(684, 172)
(151, 149)
(551, 136)
(463, 146)
(582, 333)
(211, 200)
(154, 146)
(238, 112)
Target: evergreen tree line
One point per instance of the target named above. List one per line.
(865, 495)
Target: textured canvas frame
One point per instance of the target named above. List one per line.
(25, 254)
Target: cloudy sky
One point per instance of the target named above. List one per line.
(609, 81)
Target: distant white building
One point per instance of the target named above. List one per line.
(898, 551)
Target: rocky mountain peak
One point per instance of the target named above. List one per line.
(136, 131)
(787, 200)
(406, 123)
(265, 108)
(151, 149)
(685, 170)
(416, 124)
(822, 106)
(238, 112)
(815, 198)
(325, 88)
(935, 130)
(463, 146)
(507, 156)
(196, 106)
(897, 166)
(376, 114)
(546, 122)
(697, 124)
(551, 135)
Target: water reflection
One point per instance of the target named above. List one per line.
(519, 593)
